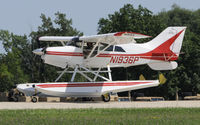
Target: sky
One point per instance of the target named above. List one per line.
(23, 16)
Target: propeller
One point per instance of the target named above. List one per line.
(40, 51)
(39, 61)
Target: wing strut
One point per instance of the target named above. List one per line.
(92, 50)
(74, 74)
(109, 72)
(83, 71)
(61, 74)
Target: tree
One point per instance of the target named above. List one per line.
(6, 78)
(13, 63)
(185, 77)
(141, 20)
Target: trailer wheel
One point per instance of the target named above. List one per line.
(34, 99)
(106, 97)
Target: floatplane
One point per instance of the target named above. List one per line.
(97, 54)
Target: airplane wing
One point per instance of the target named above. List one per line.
(56, 38)
(109, 38)
(114, 38)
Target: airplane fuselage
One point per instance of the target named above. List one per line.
(163, 49)
(127, 55)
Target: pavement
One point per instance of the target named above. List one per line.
(84, 105)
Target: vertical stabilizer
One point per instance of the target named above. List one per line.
(168, 41)
(166, 47)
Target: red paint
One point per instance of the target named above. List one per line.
(64, 53)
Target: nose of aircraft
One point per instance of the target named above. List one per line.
(20, 87)
(38, 51)
(26, 88)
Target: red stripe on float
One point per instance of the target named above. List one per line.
(90, 84)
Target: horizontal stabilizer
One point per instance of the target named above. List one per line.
(163, 65)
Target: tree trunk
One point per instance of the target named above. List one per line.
(176, 94)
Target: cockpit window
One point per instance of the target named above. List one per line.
(110, 48)
(72, 43)
(119, 49)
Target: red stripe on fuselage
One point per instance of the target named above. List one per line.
(162, 56)
(90, 84)
(64, 53)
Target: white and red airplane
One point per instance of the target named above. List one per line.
(92, 54)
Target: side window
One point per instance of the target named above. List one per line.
(119, 49)
(72, 43)
(110, 48)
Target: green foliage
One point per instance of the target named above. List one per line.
(141, 20)
(6, 78)
(164, 116)
(14, 62)
(189, 62)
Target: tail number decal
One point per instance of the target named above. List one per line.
(124, 59)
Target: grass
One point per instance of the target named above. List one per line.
(159, 116)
